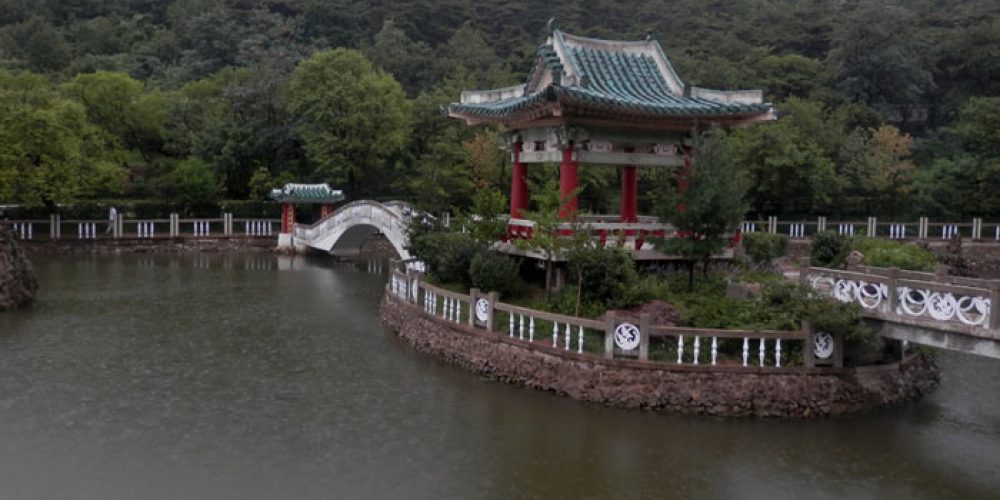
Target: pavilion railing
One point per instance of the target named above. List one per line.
(617, 336)
(602, 229)
(173, 226)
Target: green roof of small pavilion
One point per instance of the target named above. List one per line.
(306, 193)
(630, 81)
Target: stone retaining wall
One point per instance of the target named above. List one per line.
(768, 392)
(182, 244)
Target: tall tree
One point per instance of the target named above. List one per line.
(707, 207)
(354, 119)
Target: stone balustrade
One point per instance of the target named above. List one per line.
(921, 229)
(618, 336)
(944, 303)
(57, 228)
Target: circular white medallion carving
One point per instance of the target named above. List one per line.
(823, 345)
(627, 336)
(482, 310)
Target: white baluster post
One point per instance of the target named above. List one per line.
(746, 350)
(777, 353)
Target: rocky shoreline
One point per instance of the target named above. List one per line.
(787, 393)
(18, 285)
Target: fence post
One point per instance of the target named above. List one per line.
(872, 227)
(412, 288)
(808, 358)
(609, 335)
(645, 324)
(893, 287)
(977, 229)
(994, 319)
(922, 228)
(821, 224)
(772, 224)
(119, 226)
(473, 298)
(491, 298)
(838, 350)
(53, 226)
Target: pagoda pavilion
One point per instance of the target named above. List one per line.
(605, 102)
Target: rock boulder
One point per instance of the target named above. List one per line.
(17, 281)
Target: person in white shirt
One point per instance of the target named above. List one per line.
(112, 218)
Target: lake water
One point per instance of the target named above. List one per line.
(256, 376)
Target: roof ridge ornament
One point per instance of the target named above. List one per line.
(550, 26)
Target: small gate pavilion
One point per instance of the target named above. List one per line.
(291, 194)
(606, 102)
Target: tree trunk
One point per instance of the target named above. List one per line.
(579, 289)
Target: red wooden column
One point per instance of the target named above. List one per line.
(629, 205)
(518, 185)
(567, 183)
(287, 217)
(325, 210)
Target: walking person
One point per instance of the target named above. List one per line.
(112, 219)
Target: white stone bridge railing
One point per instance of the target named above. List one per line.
(391, 219)
(617, 336)
(942, 311)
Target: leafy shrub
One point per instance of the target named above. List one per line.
(763, 248)
(494, 271)
(718, 312)
(888, 253)
(784, 306)
(605, 275)
(447, 254)
(829, 249)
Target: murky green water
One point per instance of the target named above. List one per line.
(247, 377)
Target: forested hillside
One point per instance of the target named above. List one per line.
(887, 107)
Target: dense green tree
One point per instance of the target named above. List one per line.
(354, 119)
(790, 161)
(707, 204)
(49, 154)
(408, 61)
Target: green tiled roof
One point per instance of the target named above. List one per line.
(633, 78)
(306, 193)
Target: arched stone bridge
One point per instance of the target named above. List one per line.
(946, 312)
(346, 229)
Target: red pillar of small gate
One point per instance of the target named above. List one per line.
(628, 208)
(567, 183)
(325, 210)
(518, 185)
(287, 217)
